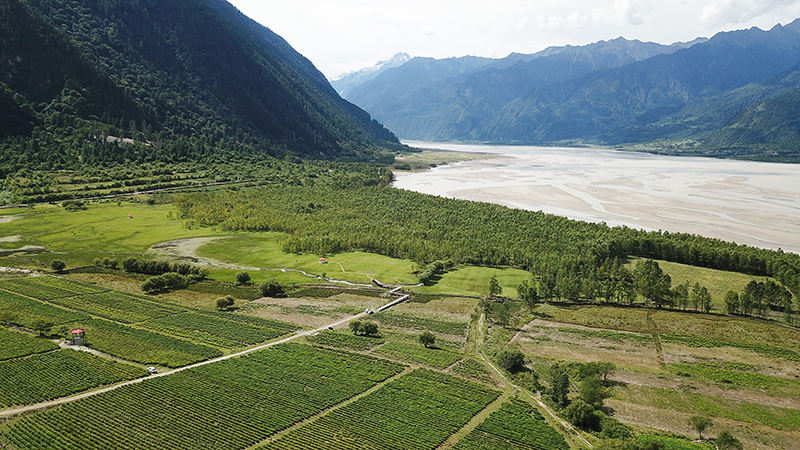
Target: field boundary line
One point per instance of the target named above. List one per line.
(321, 414)
(11, 412)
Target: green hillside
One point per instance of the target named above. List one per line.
(178, 81)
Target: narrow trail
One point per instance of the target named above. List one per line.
(49, 404)
(476, 349)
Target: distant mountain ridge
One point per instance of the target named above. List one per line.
(709, 96)
(347, 82)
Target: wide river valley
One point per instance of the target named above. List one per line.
(746, 202)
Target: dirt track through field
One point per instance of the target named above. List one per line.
(49, 404)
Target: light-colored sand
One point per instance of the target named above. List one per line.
(746, 202)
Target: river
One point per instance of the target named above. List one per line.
(751, 203)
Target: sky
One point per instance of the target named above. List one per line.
(340, 36)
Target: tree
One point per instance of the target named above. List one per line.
(271, 288)
(225, 302)
(242, 278)
(427, 339)
(511, 360)
(726, 441)
(700, 424)
(528, 294)
(701, 299)
(652, 282)
(732, 303)
(494, 287)
(57, 265)
(503, 311)
(593, 392)
(559, 385)
(363, 328)
(583, 415)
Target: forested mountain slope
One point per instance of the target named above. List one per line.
(185, 78)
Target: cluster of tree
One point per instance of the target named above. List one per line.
(166, 282)
(223, 303)
(364, 328)
(159, 267)
(432, 269)
(106, 262)
(571, 260)
(73, 205)
(758, 298)
(586, 411)
(511, 360)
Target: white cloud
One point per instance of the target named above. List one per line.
(734, 12)
(629, 12)
(343, 35)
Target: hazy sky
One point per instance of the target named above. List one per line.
(343, 35)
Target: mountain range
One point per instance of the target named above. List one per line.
(182, 79)
(732, 94)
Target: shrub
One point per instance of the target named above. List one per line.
(270, 288)
(242, 278)
(57, 265)
(427, 339)
(511, 360)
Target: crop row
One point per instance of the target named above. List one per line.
(56, 374)
(117, 306)
(232, 404)
(213, 330)
(419, 410)
(416, 353)
(422, 323)
(143, 346)
(26, 312)
(515, 426)
(16, 344)
(46, 288)
(346, 341)
(619, 337)
(472, 369)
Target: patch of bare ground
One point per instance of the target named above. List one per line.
(775, 367)
(186, 249)
(310, 312)
(543, 339)
(676, 383)
(451, 309)
(752, 436)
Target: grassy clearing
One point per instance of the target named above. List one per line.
(717, 282)
(472, 280)
(264, 250)
(400, 320)
(101, 230)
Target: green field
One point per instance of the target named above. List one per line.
(142, 346)
(118, 306)
(26, 312)
(419, 410)
(16, 344)
(57, 374)
(229, 405)
(346, 341)
(515, 426)
(417, 354)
